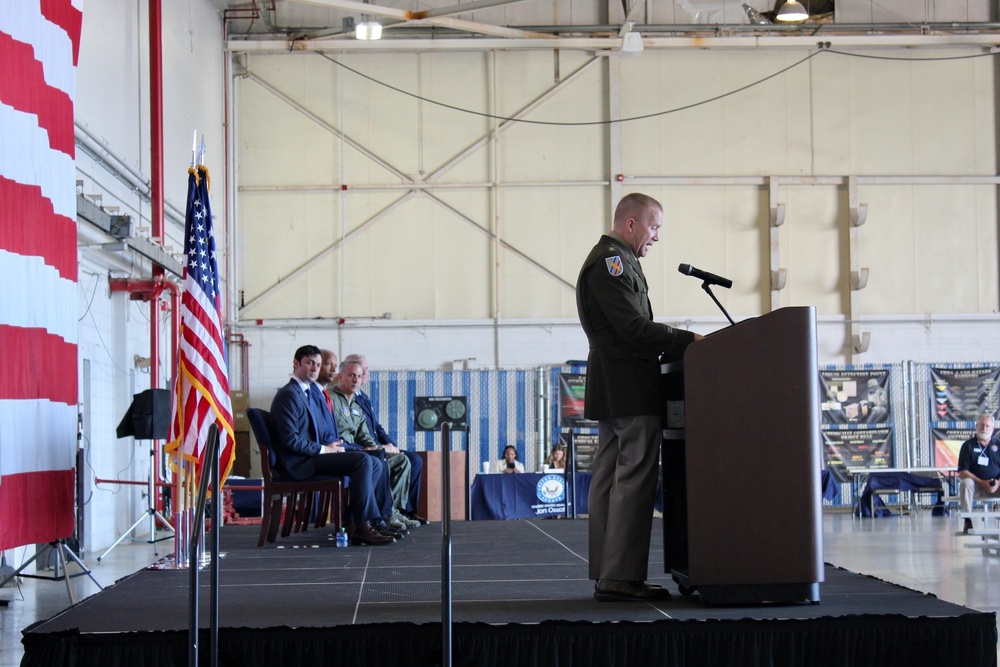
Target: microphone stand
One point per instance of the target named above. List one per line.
(708, 288)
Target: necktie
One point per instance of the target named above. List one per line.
(329, 403)
(312, 414)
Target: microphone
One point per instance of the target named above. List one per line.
(709, 278)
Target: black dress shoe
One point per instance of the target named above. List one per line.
(615, 590)
(366, 535)
(967, 526)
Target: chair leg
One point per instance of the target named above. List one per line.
(343, 504)
(291, 505)
(265, 522)
(336, 516)
(322, 508)
(305, 512)
(274, 521)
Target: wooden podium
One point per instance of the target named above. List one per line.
(741, 463)
(429, 501)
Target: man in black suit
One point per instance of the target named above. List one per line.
(624, 395)
(307, 446)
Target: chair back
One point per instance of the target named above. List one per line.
(263, 427)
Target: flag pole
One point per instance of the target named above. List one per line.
(202, 394)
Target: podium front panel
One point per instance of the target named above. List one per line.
(753, 455)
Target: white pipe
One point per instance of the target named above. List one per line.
(608, 45)
(683, 322)
(340, 189)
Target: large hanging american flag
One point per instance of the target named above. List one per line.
(39, 47)
(201, 386)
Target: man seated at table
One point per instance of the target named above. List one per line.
(353, 427)
(978, 467)
(306, 446)
(509, 462)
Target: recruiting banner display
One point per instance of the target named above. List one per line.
(572, 387)
(585, 446)
(962, 394)
(857, 448)
(947, 442)
(855, 396)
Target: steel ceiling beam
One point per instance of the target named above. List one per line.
(425, 18)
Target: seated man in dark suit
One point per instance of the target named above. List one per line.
(306, 446)
(384, 439)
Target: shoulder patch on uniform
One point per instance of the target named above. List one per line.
(614, 265)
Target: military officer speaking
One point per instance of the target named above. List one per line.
(624, 395)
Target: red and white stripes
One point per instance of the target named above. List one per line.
(39, 46)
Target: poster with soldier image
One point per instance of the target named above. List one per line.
(961, 394)
(857, 448)
(855, 396)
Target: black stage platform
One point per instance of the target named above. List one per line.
(521, 597)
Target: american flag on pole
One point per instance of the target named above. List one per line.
(39, 46)
(201, 386)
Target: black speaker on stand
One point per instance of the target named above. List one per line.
(147, 418)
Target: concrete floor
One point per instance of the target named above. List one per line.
(917, 551)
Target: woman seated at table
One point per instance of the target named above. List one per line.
(509, 462)
(557, 459)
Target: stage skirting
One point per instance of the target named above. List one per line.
(521, 598)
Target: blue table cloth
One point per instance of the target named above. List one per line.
(525, 495)
(902, 481)
(830, 486)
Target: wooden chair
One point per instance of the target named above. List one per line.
(296, 496)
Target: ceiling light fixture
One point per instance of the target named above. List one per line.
(754, 16)
(631, 41)
(368, 30)
(792, 11)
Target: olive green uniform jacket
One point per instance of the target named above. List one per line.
(623, 367)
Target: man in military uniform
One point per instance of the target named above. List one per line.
(353, 428)
(624, 395)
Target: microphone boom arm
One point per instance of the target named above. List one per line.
(707, 286)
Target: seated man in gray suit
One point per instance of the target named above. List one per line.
(307, 446)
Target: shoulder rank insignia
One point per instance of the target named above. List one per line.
(614, 265)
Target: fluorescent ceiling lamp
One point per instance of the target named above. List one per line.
(368, 30)
(792, 11)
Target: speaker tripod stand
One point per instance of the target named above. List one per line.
(61, 551)
(151, 514)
